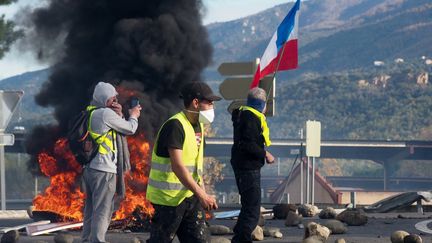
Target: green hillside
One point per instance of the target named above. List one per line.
(353, 106)
(403, 34)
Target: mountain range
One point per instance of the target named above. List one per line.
(334, 35)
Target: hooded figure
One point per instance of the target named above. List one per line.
(103, 92)
(103, 176)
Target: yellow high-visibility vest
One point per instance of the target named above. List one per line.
(262, 118)
(106, 140)
(164, 187)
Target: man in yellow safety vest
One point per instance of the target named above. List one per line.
(248, 155)
(176, 186)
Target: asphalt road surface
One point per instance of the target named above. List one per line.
(378, 229)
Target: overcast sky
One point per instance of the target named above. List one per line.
(16, 62)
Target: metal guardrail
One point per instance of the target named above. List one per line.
(376, 150)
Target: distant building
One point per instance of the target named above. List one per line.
(428, 62)
(379, 63)
(423, 79)
(362, 83)
(399, 60)
(381, 80)
(423, 57)
(19, 129)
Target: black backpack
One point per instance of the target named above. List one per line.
(81, 143)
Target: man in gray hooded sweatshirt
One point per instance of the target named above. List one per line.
(100, 175)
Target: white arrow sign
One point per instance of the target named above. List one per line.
(8, 103)
(7, 139)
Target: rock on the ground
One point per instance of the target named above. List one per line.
(335, 226)
(63, 238)
(413, 238)
(353, 217)
(293, 219)
(342, 240)
(135, 240)
(278, 235)
(307, 210)
(258, 234)
(11, 236)
(220, 240)
(398, 236)
(272, 232)
(328, 213)
(280, 211)
(314, 239)
(313, 228)
(219, 230)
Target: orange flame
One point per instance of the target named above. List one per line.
(136, 180)
(125, 92)
(64, 195)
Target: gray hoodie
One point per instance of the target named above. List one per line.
(103, 120)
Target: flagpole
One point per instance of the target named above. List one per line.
(275, 72)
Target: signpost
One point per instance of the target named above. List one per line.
(313, 149)
(8, 103)
(236, 86)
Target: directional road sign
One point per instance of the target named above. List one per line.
(7, 139)
(237, 84)
(8, 103)
(236, 68)
(236, 88)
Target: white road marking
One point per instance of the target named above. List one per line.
(422, 226)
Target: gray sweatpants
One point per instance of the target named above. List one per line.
(99, 188)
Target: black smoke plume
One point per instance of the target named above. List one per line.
(152, 47)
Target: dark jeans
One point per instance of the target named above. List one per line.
(187, 221)
(249, 187)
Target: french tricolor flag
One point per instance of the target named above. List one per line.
(282, 52)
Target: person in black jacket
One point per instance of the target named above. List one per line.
(248, 155)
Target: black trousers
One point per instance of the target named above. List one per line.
(187, 221)
(249, 186)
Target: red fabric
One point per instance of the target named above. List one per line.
(289, 61)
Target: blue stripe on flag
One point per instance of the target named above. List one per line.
(287, 25)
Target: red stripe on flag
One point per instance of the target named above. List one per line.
(289, 61)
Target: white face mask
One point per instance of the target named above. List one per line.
(206, 116)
